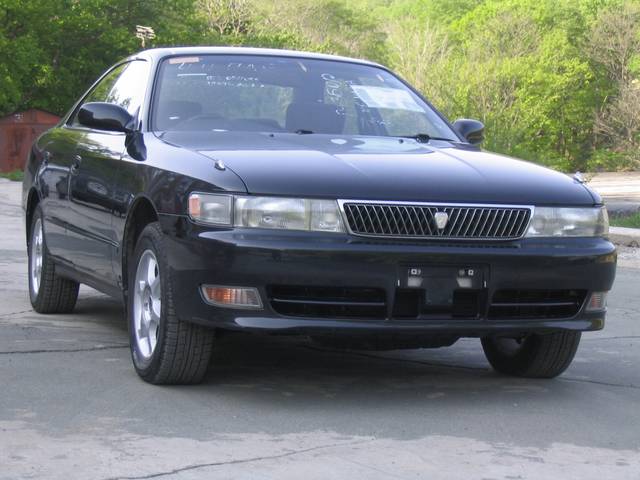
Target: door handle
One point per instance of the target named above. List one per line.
(75, 166)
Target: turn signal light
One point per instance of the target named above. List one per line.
(232, 297)
(597, 301)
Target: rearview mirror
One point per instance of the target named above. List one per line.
(471, 130)
(105, 116)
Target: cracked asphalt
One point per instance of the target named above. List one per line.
(72, 407)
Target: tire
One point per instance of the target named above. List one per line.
(48, 292)
(164, 349)
(535, 356)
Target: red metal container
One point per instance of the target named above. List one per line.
(17, 133)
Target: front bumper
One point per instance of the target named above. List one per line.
(260, 258)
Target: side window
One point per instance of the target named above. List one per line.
(128, 90)
(125, 86)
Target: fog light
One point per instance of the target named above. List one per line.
(232, 297)
(597, 301)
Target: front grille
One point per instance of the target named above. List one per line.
(331, 302)
(420, 221)
(508, 304)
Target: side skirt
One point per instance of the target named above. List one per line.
(68, 271)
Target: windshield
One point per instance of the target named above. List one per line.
(283, 94)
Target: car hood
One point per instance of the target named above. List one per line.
(381, 168)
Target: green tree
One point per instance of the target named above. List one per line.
(555, 81)
(52, 50)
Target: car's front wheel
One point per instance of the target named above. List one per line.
(48, 292)
(533, 355)
(164, 349)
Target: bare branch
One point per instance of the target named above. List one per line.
(227, 17)
(614, 40)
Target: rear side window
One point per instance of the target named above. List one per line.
(125, 86)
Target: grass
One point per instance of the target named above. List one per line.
(15, 175)
(629, 221)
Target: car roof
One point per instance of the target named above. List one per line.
(159, 53)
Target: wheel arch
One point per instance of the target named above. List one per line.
(33, 199)
(141, 213)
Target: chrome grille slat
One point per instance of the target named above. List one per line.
(517, 222)
(513, 224)
(506, 223)
(428, 218)
(475, 231)
(466, 213)
(503, 214)
(406, 218)
(492, 227)
(447, 230)
(486, 228)
(521, 222)
(409, 217)
(366, 210)
(359, 212)
(390, 213)
(471, 220)
(410, 220)
(482, 222)
(425, 220)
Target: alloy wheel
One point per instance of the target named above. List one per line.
(147, 304)
(36, 256)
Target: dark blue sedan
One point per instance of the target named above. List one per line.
(280, 192)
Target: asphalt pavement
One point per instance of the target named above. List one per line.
(72, 407)
(620, 190)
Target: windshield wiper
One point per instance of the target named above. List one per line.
(302, 131)
(425, 137)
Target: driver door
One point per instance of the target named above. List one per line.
(91, 239)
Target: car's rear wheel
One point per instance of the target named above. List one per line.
(164, 349)
(48, 292)
(534, 356)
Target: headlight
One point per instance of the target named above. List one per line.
(288, 214)
(211, 209)
(569, 222)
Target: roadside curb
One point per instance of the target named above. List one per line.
(629, 237)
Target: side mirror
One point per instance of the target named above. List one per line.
(471, 130)
(105, 116)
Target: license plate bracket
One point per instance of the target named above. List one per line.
(447, 290)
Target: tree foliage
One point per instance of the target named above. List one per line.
(555, 81)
